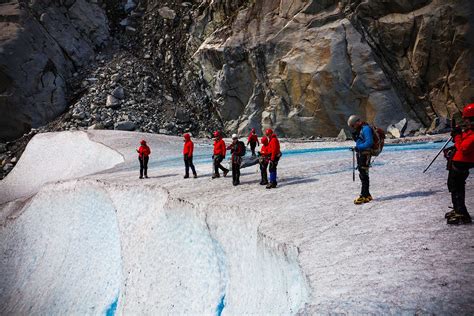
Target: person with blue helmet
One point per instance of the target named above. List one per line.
(363, 135)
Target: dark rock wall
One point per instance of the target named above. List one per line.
(42, 44)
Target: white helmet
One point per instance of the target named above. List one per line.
(352, 120)
(234, 136)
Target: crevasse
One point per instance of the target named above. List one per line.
(77, 244)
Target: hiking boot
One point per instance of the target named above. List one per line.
(225, 173)
(146, 177)
(457, 218)
(263, 182)
(361, 200)
(195, 176)
(449, 214)
(215, 175)
(370, 198)
(141, 177)
(186, 176)
(235, 183)
(271, 185)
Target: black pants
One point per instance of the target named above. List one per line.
(363, 164)
(217, 164)
(263, 171)
(457, 185)
(143, 166)
(235, 172)
(252, 147)
(188, 163)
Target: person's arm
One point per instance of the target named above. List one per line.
(368, 136)
(464, 145)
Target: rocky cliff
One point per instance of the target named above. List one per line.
(299, 66)
(42, 45)
(303, 66)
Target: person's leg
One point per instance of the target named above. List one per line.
(234, 173)
(363, 162)
(141, 167)
(237, 167)
(145, 167)
(263, 173)
(190, 161)
(225, 170)
(252, 148)
(216, 166)
(186, 166)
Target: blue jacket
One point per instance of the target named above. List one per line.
(365, 140)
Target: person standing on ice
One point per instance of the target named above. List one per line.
(188, 156)
(263, 160)
(143, 155)
(462, 161)
(219, 155)
(275, 154)
(253, 141)
(363, 135)
(237, 148)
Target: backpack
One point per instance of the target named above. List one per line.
(242, 148)
(379, 140)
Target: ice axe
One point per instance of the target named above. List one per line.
(439, 152)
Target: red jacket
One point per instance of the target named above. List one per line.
(253, 138)
(219, 147)
(464, 147)
(188, 148)
(274, 147)
(265, 150)
(143, 150)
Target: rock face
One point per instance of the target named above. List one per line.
(302, 67)
(42, 44)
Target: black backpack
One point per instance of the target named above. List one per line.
(242, 147)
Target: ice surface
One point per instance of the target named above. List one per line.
(168, 245)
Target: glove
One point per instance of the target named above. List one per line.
(271, 164)
(456, 131)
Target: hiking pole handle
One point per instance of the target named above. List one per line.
(439, 152)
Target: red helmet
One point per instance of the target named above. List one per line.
(253, 130)
(187, 136)
(269, 132)
(142, 142)
(264, 140)
(217, 134)
(468, 111)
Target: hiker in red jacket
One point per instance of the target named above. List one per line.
(188, 149)
(263, 159)
(219, 155)
(275, 154)
(462, 161)
(143, 156)
(253, 141)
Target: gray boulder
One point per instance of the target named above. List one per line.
(397, 130)
(112, 102)
(167, 13)
(343, 136)
(119, 93)
(125, 126)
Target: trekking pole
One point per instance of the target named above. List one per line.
(439, 152)
(353, 166)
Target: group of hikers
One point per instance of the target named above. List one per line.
(369, 143)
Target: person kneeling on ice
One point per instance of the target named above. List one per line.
(253, 141)
(364, 137)
(219, 155)
(263, 159)
(237, 148)
(275, 154)
(188, 156)
(462, 159)
(143, 156)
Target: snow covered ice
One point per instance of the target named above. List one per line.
(81, 234)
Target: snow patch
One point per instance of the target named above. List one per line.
(54, 157)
